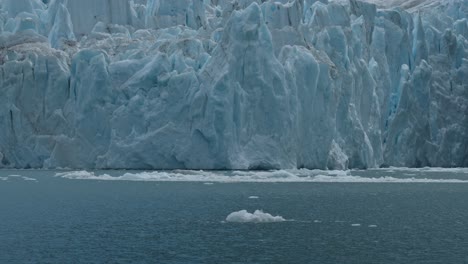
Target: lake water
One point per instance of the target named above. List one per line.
(380, 216)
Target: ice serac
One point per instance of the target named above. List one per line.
(162, 14)
(86, 13)
(62, 29)
(31, 103)
(241, 84)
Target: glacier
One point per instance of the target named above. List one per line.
(233, 84)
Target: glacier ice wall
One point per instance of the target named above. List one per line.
(233, 84)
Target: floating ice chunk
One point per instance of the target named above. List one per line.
(248, 176)
(257, 217)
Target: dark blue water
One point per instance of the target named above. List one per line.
(56, 220)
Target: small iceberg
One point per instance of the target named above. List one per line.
(257, 217)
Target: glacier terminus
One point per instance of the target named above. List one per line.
(233, 84)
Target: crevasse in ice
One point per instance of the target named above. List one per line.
(233, 84)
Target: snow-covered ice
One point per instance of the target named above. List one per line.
(256, 217)
(233, 84)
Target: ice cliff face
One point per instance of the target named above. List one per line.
(233, 84)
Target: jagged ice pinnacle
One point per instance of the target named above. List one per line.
(233, 84)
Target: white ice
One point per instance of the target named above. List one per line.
(313, 176)
(257, 217)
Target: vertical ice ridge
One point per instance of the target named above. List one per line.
(243, 84)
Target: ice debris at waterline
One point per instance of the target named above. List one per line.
(257, 217)
(233, 84)
(313, 176)
(15, 177)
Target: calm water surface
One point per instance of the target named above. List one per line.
(57, 220)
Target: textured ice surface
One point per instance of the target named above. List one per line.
(241, 84)
(311, 176)
(257, 217)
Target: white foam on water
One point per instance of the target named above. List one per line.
(372, 226)
(28, 179)
(422, 170)
(356, 225)
(258, 216)
(278, 176)
(253, 197)
(386, 179)
(15, 176)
